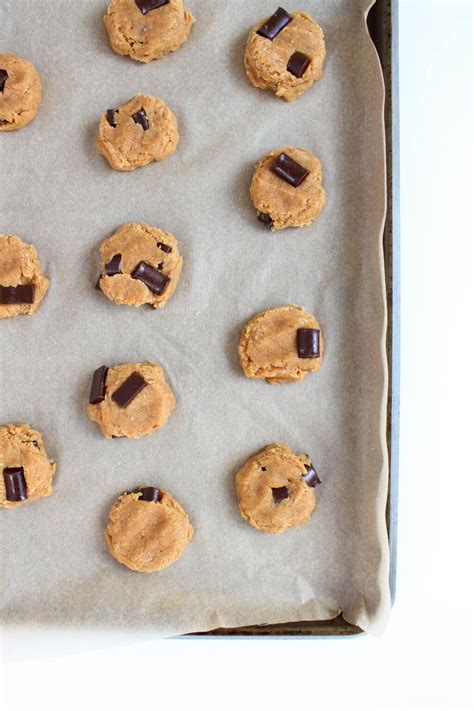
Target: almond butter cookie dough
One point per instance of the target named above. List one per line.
(275, 489)
(281, 345)
(27, 472)
(130, 399)
(20, 92)
(140, 265)
(138, 132)
(22, 283)
(287, 189)
(147, 29)
(148, 530)
(285, 54)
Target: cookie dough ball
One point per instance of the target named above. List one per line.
(130, 399)
(148, 530)
(281, 345)
(275, 489)
(27, 472)
(22, 283)
(137, 133)
(20, 92)
(140, 265)
(285, 54)
(147, 29)
(287, 188)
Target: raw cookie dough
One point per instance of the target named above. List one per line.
(19, 267)
(123, 252)
(275, 489)
(27, 472)
(142, 405)
(279, 203)
(267, 61)
(138, 132)
(148, 530)
(268, 346)
(20, 92)
(147, 29)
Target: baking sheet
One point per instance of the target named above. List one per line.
(58, 192)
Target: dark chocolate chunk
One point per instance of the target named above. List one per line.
(265, 219)
(111, 117)
(150, 493)
(97, 286)
(279, 494)
(264, 469)
(21, 294)
(97, 393)
(35, 443)
(113, 267)
(156, 281)
(146, 6)
(160, 266)
(3, 78)
(15, 483)
(274, 24)
(129, 389)
(141, 118)
(298, 64)
(164, 247)
(308, 342)
(288, 169)
(311, 477)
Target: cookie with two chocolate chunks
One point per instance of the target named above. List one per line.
(22, 282)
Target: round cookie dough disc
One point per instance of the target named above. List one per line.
(268, 346)
(144, 413)
(266, 61)
(124, 250)
(275, 489)
(19, 265)
(20, 92)
(147, 536)
(24, 466)
(279, 203)
(138, 132)
(147, 36)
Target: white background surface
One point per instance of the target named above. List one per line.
(424, 659)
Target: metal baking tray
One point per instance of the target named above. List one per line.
(382, 23)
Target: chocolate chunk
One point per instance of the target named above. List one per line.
(15, 483)
(35, 443)
(113, 267)
(265, 219)
(97, 286)
(279, 494)
(298, 64)
(274, 24)
(150, 493)
(21, 294)
(288, 169)
(129, 389)
(146, 6)
(264, 469)
(111, 117)
(164, 247)
(3, 78)
(311, 477)
(156, 281)
(160, 266)
(97, 393)
(141, 118)
(308, 342)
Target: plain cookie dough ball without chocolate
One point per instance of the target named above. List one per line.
(275, 489)
(22, 283)
(287, 189)
(147, 29)
(20, 92)
(285, 54)
(140, 131)
(281, 345)
(148, 530)
(27, 472)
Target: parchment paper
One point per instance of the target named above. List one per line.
(58, 192)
